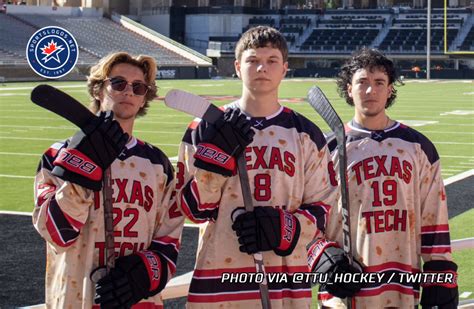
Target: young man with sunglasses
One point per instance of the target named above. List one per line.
(69, 203)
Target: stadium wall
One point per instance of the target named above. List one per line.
(159, 23)
(54, 11)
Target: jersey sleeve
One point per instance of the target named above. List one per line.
(169, 224)
(61, 207)
(435, 239)
(199, 191)
(320, 191)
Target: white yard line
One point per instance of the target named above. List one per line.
(55, 139)
(29, 138)
(75, 128)
(459, 177)
(57, 118)
(31, 87)
(452, 143)
(16, 213)
(19, 154)
(16, 176)
(462, 157)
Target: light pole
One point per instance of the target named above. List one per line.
(428, 40)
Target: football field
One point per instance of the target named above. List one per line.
(441, 110)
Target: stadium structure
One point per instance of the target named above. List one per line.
(196, 38)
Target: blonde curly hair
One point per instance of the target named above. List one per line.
(100, 72)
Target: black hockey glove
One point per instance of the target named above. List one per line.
(266, 228)
(90, 152)
(440, 295)
(223, 142)
(326, 257)
(134, 278)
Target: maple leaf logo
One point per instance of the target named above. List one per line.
(51, 51)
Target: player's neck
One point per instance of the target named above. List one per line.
(261, 105)
(127, 125)
(378, 122)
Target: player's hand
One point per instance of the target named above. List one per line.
(326, 257)
(223, 142)
(442, 296)
(266, 228)
(90, 152)
(134, 278)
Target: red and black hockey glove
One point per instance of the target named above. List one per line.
(328, 258)
(90, 152)
(134, 278)
(223, 142)
(440, 295)
(266, 228)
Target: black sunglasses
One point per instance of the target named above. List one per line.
(119, 84)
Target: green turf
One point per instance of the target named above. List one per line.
(27, 130)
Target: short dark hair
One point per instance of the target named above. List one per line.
(261, 36)
(367, 58)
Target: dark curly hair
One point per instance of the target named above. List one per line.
(367, 58)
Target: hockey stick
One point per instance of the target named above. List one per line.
(69, 108)
(201, 108)
(323, 107)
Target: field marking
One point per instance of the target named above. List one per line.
(459, 177)
(13, 94)
(448, 132)
(59, 118)
(16, 176)
(449, 156)
(19, 154)
(16, 213)
(458, 112)
(55, 140)
(451, 169)
(30, 138)
(466, 164)
(452, 143)
(31, 87)
(187, 122)
(39, 111)
(75, 128)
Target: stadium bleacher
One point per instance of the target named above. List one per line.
(100, 36)
(341, 32)
(12, 43)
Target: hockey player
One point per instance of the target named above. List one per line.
(69, 205)
(398, 209)
(288, 165)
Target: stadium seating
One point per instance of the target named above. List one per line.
(468, 44)
(338, 40)
(12, 42)
(342, 31)
(101, 36)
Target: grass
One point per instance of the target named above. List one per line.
(445, 108)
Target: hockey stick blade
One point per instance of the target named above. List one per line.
(321, 105)
(201, 108)
(61, 104)
(193, 105)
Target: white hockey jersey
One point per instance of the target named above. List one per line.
(71, 219)
(287, 163)
(398, 211)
